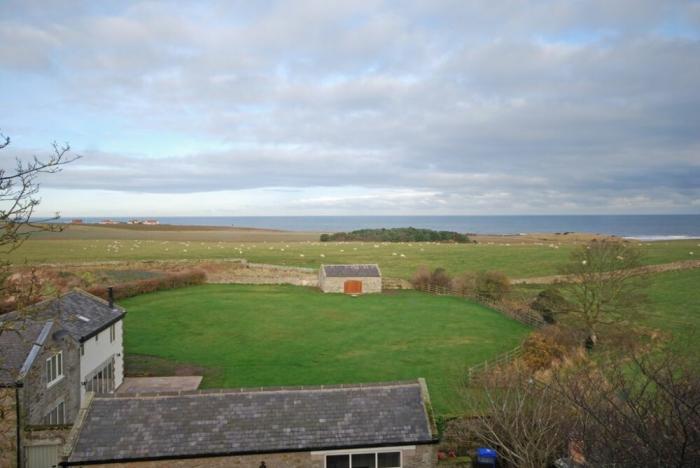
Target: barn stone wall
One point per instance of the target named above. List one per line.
(423, 456)
(8, 428)
(337, 285)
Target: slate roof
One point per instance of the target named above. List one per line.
(237, 422)
(68, 309)
(16, 342)
(352, 271)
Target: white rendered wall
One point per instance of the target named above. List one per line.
(98, 352)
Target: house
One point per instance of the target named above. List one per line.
(151, 222)
(76, 221)
(51, 356)
(350, 279)
(379, 425)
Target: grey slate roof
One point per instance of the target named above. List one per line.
(229, 422)
(353, 271)
(67, 310)
(16, 341)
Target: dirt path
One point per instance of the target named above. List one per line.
(673, 266)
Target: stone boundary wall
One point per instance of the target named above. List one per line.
(260, 273)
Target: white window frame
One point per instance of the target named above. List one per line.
(112, 333)
(54, 369)
(375, 451)
(60, 415)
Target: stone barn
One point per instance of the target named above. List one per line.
(350, 279)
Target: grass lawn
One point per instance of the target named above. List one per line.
(284, 335)
(396, 260)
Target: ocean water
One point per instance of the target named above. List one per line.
(648, 227)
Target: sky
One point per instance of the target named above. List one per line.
(359, 107)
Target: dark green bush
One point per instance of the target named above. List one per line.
(408, 234)
(492, 285)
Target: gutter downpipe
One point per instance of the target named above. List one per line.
(19, 432)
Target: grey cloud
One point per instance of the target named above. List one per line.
(490, 103)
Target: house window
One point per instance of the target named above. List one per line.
(56, 415)
(54, 368)
(364, 460)
(112, 333)
(101, 380)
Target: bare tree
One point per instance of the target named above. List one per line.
(636, 411)
(519, 417)
(18, 194)
(19, 190)
(605, 285)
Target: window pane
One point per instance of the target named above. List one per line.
(53, 368)
(389, 460)
(48, 371)
(364, 460)
(338, 461)
(60, 364)
(61, 413)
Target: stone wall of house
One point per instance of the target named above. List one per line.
(337, 285)
(36, 398)
(275, 460)
(423, 456)
(8, 428)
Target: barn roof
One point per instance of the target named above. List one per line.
(352, 271)
(237, 422)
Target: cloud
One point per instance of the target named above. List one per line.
(493, 106)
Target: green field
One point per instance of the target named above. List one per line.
(247, 336)
(395, 259)
(675, 306)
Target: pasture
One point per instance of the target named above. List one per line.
(244, 336)
(517, 260)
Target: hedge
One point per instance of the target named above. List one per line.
(134, 288)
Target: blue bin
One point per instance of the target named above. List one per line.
(486, 457)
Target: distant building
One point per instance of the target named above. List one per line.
(108, 221)
(151, 222)
(350, 279)
(76, 221)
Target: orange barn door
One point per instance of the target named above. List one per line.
(353, 287)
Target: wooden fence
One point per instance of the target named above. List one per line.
(527, 317)
(475, 371)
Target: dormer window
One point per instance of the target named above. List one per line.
(54, 369)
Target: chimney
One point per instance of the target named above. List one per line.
(110, 295)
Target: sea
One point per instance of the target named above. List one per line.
(642, 227)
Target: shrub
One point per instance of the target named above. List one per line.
(464, 284)
(325, 237)
(134, 288)
(439, 277)
(492, 285)
(548, 303)
(421, 278)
